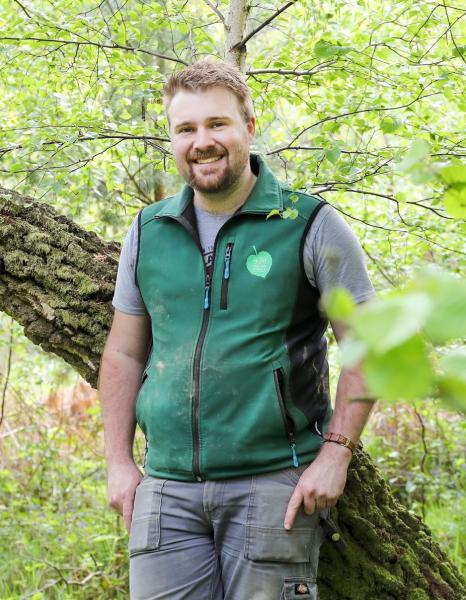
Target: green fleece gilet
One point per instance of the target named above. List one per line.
(237, 380)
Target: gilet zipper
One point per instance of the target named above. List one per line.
(288, 422)
(226, 276)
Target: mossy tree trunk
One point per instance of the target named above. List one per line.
(57, 279)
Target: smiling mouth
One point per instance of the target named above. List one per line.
(206, 161)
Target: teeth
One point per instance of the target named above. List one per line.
(205, 161)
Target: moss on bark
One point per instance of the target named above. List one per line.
(57, 280)
(391, 554)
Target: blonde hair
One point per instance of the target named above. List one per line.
(206, 74)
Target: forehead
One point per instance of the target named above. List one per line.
(201, 105)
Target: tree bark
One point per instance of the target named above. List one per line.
(57, 280)
(235, 27)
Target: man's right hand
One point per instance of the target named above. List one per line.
(123, 480)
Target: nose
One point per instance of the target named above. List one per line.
(203, 139)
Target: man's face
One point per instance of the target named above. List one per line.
(210, 139)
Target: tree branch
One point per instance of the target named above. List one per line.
(100, 136)
(96, 45)
(296, 72)
(351, 113)
(246, 39)
(23, 8)
(216, 10)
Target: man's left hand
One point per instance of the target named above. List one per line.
(321, 484)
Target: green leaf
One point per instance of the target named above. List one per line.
(459, 51)
(352, 351)
(390, 124)
(447, 320)
(290, 213)
(452, 380)
(333, 154)
(338, 304)
(453, 174)
(421, 173)
(384, 324)
(455, 201)
(325, 49)
(404, 372)
(417, 152)
(272, 213)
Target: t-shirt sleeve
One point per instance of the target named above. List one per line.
(333, 256)
(127, 297)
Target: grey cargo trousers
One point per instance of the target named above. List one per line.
(222, 540)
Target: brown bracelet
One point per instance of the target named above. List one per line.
(338, 438)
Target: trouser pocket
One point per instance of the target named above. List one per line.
(145, 522)
(266, 538)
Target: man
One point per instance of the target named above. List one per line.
(222, 293)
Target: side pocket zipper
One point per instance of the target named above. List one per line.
(226, 276)
(288, 422)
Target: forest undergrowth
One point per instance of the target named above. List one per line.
(58, 538)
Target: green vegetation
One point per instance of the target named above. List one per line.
(360, 102)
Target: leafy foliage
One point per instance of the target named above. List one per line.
(398, 337)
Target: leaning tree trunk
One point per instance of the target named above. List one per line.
(57, 281)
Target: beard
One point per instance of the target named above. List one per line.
(219, 180)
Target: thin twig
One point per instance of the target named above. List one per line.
(23, 8)
(246, 39)
(423, 460)
(7, 375)
(97, 45)
(214, 7)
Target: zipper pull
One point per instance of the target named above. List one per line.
(146, 448)
(226, 272)
(294, 459)
(207, 292)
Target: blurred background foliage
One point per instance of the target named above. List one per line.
(360, 102)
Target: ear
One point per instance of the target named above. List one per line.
(251, 127)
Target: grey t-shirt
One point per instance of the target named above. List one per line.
(332, 258)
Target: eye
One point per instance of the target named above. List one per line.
(218, 124)
(185, 129)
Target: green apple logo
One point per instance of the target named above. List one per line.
(259, 264)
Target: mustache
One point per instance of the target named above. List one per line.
(206, 155)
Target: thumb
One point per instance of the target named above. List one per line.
(293, 506)
(128, 513)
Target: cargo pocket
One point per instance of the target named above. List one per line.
(267, 540)
(145, 523)
(278, 545)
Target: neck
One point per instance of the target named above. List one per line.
(227, 202)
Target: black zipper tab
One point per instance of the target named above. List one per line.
(288, 422)
(226, 276)
(146, 449)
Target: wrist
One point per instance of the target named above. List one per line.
(115, 462)
(339, 439)
(336, 452)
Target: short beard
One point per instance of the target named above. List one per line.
(224, 182)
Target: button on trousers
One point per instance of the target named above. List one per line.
(222, 540)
